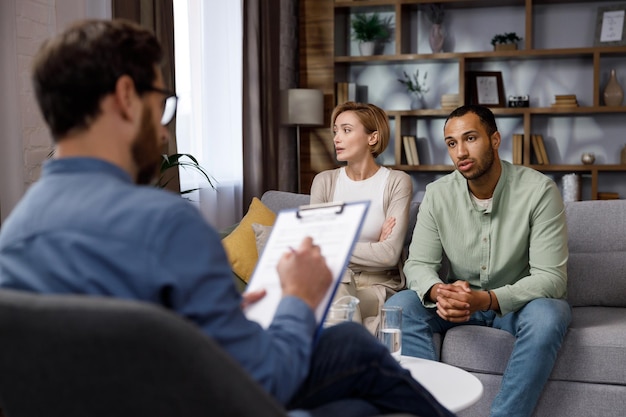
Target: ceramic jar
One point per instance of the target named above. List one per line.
(613, 92)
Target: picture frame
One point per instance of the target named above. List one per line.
(485, 88)
(611, 25)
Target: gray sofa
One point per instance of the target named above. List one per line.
(589, 378)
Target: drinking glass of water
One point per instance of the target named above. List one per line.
(390, 331)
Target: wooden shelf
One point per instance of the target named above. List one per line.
(324, 62)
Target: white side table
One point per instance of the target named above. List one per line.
(453, 387)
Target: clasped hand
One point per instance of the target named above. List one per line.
(456, 302)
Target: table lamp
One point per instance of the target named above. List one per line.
(302, 107)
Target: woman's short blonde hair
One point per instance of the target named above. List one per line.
(373, 119)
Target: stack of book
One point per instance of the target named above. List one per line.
(409, 143)
(450, 101)
(565, 100)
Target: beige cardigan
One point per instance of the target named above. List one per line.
(372, 256)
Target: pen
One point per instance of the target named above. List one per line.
(291, 249)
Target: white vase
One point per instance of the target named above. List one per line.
(367, 48)
(613, 92)
(436, 38)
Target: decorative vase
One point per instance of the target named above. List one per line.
(436, 38)
(613, 92)
(417, 101)
(367, 48)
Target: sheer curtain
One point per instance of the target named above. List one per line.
(208, 41)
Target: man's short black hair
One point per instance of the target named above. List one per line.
(485, 115)
(73, 71)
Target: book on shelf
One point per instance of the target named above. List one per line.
(536, 150)
(518, 148)
(407, 150)
(540, 150)
(345, 92)
(409, 143)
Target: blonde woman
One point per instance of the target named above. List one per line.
(361, 133)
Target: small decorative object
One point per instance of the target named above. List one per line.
(571, 188)
(588, 158)
(518, 101)
(413, 85)
(505, 41)
(622, 156)
(613, 92)
(369, 30)
(435, 13)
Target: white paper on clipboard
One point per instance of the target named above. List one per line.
(334, 227)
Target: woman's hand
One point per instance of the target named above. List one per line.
(387, 228)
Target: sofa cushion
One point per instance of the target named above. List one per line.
(278, 200)
(594, 348)
(240, 245)
(597, 246)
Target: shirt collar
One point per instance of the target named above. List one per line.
(84, 165)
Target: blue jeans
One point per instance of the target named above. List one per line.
(352, 374)
(539, 328)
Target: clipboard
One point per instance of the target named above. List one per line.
(334, 227)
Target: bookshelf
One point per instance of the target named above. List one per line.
(328, 56)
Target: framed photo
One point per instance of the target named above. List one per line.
(611, 25)
(485, 88)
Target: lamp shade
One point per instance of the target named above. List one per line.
(302, 107)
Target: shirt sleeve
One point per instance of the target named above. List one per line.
(425, 252)
(202, 289)
(548, 254)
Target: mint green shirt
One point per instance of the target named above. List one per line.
(517, 248)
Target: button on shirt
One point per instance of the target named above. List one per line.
(517, 247)
(85, 228)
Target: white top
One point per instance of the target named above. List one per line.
(372, 189)
(453, 387)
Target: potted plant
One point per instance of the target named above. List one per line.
(185, 161)
(435, 12)
(370, 29)
(505, 41)
(415, 86)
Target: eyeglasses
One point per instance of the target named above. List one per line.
(171, 102)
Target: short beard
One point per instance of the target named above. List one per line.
(145, 150)
(484, 165)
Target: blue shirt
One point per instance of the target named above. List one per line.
(86, 228)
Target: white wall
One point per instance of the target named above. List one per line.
(24, 24)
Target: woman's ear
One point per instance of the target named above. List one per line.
(373, 139)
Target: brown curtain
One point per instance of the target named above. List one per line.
(269, 65)
(158, 16)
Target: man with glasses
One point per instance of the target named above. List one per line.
(89, 226)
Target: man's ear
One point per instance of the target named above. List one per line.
(495, 140)
(126, 97)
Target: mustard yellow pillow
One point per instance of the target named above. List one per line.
(240, 245)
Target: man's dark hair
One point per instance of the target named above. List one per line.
(73, 71)
(484, 114)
